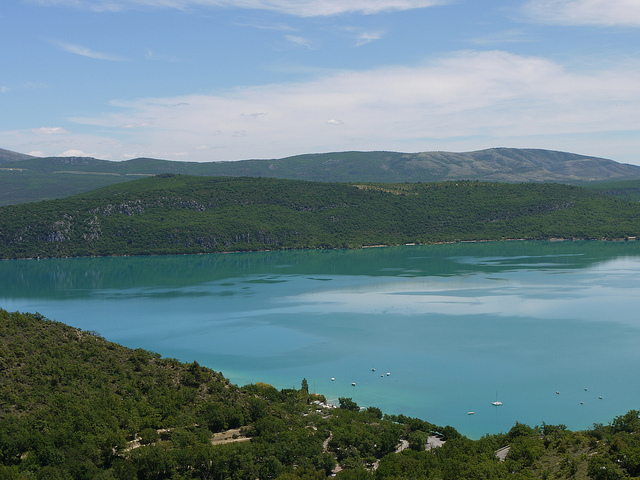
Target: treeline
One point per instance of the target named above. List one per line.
(172, 214)
(75, 406)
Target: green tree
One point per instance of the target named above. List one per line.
(417, 440)
(601, 468)
(347, 403)
(374, 411)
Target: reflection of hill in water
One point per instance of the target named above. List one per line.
(57, 278)
(452, 323)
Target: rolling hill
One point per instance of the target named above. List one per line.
(9, 156)
(27, 179)
(176, 214)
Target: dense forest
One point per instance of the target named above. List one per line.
(174, 214)
(75, 406)
(628, 189)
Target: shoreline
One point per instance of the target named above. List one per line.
(630, 239)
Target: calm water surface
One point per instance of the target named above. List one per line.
(448, 329)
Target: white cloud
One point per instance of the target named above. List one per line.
(299, 41)
(585, 12)
(301, 8)
(86, 52)
(465, 101)
(368, 37)
(49, 130)
(74, 153)
(56, 141)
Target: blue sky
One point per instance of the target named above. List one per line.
(213, 80)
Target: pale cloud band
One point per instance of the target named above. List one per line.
(302, 8)
(562, 12)
(368, 37)
(87, 52)
(50, 130)
(298, 40)
(503, 98)
(586, 12)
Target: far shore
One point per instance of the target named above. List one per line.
(553, 239)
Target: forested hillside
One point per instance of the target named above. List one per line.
(75, 406)
(629, 190)
(171, 214)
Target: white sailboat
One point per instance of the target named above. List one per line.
(497, 403)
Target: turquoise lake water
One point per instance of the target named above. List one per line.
(448, 328)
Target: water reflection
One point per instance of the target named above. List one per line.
(453, 324)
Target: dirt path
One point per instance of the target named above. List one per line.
(502, 453)
(403, 445)
(325, 444)
(228, 436)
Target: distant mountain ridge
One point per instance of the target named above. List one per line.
(25, 178)
(9, 156)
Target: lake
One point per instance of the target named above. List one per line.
(550, 329)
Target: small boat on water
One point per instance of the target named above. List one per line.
(496, 403)
(353, 384)
(471, 413)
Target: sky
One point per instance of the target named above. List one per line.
(219, 80)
